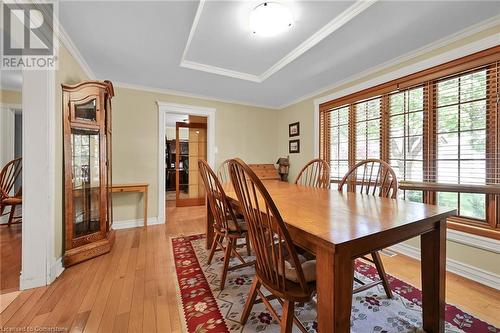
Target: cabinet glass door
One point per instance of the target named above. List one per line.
(86, 182)
(189, 185)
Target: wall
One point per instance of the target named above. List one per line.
(10, 96)
(69, 72)
(304, 113)
(243, 131)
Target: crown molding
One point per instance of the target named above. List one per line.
(73, 50)
(189, 95)
(482, 44)
(340, 20)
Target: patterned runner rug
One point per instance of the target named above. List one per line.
(207, 309)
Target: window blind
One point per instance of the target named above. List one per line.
(442, 130)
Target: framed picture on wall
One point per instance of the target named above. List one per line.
(294, 129)
(294, 146)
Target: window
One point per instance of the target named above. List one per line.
(406, 141)
(440, 131)
(461, 140)
(367, 129)
(339, 142)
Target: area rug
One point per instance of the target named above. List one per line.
(208, 309)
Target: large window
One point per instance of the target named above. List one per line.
(440, 131)
(406, 140)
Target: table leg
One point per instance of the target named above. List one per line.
(335, 274)
(209, 227)
(146, 207)
(433, 246)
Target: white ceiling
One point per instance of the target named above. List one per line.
(208, 49)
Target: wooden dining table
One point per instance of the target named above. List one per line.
(339, 227)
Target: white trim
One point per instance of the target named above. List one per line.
(485, 43)
(483, 243)
(56, 269)
(336, 23)
(453, 54)
(163, 109)
(487, 278)
(186, 94)
(134, 223)
(73, 50)
(10, 88)
(38, 172)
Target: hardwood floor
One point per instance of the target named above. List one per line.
(132, 289)
(10, 257)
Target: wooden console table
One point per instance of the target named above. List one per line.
(137, 187)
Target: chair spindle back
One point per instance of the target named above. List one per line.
(269, 236)
(371, 176)
(217, 200)
(316, 173)
(8, 177)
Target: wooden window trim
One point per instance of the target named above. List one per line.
(449, 68)
(428, 78)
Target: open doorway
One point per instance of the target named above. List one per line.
(11, 135)
(185, 143)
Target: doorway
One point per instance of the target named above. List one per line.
(11, 214)
(185, 143)
(199, 142)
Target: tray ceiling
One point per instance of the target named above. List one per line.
(147, 43)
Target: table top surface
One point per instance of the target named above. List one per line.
(338, 217)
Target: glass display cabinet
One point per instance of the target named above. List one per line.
(88, 211)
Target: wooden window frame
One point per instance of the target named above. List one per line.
(428, 78)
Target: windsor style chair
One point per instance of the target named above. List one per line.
(316, 173)
(377, 178)
(9, 176)
(227, 226)
(288, 276)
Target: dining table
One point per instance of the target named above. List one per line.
(338, 227)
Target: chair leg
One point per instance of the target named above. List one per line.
(227, 256)
(381, 272)
(247, 239)
(252, 295)
(212, 250)
(11, 215)
(287, 317)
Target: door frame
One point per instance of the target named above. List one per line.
(163, 109)
(39, 265)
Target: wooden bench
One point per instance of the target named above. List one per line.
(265, 171)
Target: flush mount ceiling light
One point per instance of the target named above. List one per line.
(270, 18)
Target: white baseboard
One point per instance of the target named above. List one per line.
(125, 224)
(480, 242)
(56, 269)
(28, 283)
(489, 279)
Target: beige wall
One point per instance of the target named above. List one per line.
(69, 72)
(10, 97)
(243, 131)
(304, 113)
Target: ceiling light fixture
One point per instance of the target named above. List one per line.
(270, 18)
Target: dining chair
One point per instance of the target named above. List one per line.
(9, 176)
(227, 226)
(289, 276)
(223, 172)
(315, 173)
(372, 177)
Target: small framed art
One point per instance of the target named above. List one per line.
(294, 146)
(294, 129)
